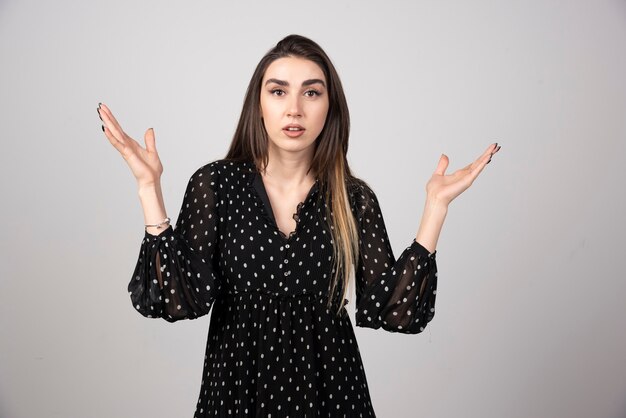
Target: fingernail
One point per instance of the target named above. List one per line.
(98, 109)
(102, 128)
(498, 149)
(99, 104)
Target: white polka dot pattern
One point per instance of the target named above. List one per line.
(274, 348)
(397, 295)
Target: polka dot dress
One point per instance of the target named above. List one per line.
(274, 348)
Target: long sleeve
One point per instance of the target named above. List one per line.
(176, 276)
(397, 295)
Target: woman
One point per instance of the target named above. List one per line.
(271, 237)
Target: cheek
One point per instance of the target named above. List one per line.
(268, 111)
(262, 107)
(321, 116)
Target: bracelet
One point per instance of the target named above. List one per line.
(158, 226)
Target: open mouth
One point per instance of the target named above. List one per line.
(293, 130)
(294, 127)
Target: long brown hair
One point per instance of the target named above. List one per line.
(329, 163)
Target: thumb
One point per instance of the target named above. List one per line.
(149, 139)
(443, 164)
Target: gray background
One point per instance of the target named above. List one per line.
(531, 309)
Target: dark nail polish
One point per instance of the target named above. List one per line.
(102, 128)
(99, 104)
(98, 109)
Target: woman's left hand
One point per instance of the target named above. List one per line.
(442, 189)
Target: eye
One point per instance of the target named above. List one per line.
(311, 93)
(277, 92)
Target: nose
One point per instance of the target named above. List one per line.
(294, 107)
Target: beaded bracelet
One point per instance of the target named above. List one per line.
(158, 226)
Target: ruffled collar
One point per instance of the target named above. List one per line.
(257, 189)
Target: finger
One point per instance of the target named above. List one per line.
(442, 165)
(493, 153)
(481, 163)
(491, 149)
(150, 141)
(111, 123)
(109, 120)
(113, 140)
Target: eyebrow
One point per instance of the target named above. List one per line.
(304, 83)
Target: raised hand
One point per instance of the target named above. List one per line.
(143, 162)
(442, 189)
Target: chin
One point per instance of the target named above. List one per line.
(292, 144)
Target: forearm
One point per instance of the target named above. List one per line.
(154, 212)
(431, 224)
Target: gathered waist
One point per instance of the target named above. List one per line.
(278, 296)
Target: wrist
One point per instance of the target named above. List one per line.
(431, 224)
(148, 188)
(435, 206)
(152, 203)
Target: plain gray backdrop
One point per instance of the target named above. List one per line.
(531, 307)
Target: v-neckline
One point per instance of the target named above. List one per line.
(259, 187)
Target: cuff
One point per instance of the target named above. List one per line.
(166, 232)
(420, 250)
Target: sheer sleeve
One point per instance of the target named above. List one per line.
(397, 295)
(176, 275)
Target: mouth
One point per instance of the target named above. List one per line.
(293, 130)
(293, 127)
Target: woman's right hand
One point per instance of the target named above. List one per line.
(144, 163)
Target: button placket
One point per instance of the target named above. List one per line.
(286, 259)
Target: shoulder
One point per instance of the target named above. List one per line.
(361, 194)
(218, 171)
(359, 189)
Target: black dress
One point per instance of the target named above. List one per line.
(274, 348)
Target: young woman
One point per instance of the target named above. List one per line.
(271, 237)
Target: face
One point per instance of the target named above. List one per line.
(294, 104)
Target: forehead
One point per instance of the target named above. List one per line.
(294, 70)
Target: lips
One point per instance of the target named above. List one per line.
(293, 130)
(293, 127)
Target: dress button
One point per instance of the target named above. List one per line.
(287, 273)
(286, 245)
(286, 261)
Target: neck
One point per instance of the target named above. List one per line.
(288, 170)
